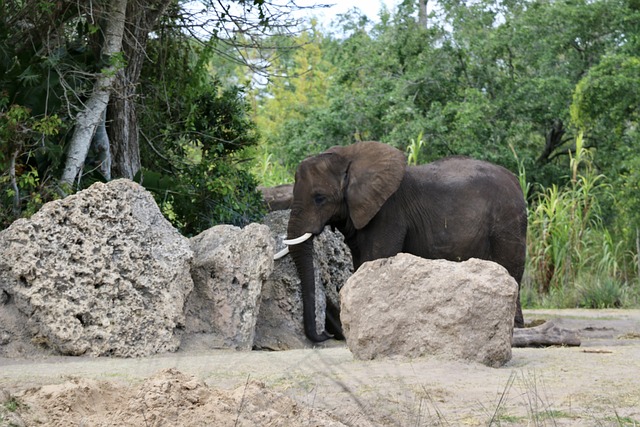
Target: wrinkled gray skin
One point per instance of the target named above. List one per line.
(455, 208)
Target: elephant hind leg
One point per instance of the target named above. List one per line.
(518, 322)
(517, 271)
(332, 321)
(511, 255)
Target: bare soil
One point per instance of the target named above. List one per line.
(595, 384)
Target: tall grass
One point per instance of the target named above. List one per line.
(573, 260)
(269, 171)
(414, 150)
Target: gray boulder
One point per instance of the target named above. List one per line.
(229, 267)
(98, 273)
(410, 306)
(280, 324)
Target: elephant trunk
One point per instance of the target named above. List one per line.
(302, 255)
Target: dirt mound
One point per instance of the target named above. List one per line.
(168, 398)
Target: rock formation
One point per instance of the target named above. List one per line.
(229, 267)
(409, 306)
(99, 273)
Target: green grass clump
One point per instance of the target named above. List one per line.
(573, 258)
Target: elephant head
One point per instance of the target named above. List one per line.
(342, 187)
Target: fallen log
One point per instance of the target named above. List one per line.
(277, 198)
(550, 333)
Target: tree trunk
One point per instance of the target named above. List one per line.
(422, 13)
(553, 140)
(90, 118)
(123, 131)
(101, 146)
(121, 116)
(638, 249)
(550, 333)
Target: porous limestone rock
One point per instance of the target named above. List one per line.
(280, 325)
(410, 306)
(229, 266)
(98, 273)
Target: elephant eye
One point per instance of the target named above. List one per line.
(319, 199)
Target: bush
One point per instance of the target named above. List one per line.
(198, 133)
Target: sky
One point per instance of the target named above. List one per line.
(369, 7)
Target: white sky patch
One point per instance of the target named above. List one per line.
(326, 15)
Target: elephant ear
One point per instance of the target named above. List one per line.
(374, 174)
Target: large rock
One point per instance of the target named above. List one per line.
(99, 273)
(410, 306)
(230, 264)
(280, 324)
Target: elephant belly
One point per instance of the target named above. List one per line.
(449, 246)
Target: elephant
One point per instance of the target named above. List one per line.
(455, 208)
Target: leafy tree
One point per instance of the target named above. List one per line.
(63, 63)
(606, 103)
(298, 84)
(195, 131)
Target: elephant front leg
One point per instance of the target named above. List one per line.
(382, 241)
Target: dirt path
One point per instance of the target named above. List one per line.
(595, 384)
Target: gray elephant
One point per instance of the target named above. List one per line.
(455, 209)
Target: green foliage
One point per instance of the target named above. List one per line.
(588, 292)
(573, 259)
(195, 163)
(47, 59)
(22, 189)
(479, 79)
(13, 405)
(205, 196)
(606, 104)
(414, 150)
(288, 115)
(269, 172)
(602, 293)
(609, 93)
(561, 222)
(195, 127)
(114, 64)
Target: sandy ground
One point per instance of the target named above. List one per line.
(596, 384)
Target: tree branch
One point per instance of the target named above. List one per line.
(553, 140)
(90, 118)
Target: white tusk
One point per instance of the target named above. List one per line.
(297, 240)
(281, 253)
